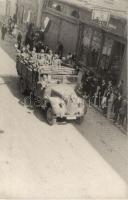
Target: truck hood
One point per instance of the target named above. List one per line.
(66, 92)
(66, 96)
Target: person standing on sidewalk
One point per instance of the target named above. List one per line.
(117, 106)
(110, 105)
(103, 87)
(19, 40)
(10, 25)
(15, 31)
(120, 87)
(123, 112)
(3, 32)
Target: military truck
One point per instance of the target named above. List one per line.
(54, 88)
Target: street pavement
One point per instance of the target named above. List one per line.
(65, 161)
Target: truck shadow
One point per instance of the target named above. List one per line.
(12, 82)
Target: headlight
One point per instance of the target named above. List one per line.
(61, 105)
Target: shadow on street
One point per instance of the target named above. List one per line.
(106, 147)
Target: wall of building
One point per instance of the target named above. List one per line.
(51, 35)
(10, 7)
(2, 8)
(68, 35)
(60, 29)
(13, 7)
(39, 12)
(27, 11)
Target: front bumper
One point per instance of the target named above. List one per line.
(70, 117)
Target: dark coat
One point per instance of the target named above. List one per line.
(3, 30)
(19, 38)
(117, 104)
(103, 88)
(123, 108)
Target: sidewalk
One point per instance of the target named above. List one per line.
(122, 128)
(8, 45)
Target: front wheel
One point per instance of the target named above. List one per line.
(50, 116)
(80, 120)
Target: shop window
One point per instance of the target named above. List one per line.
(75, 13)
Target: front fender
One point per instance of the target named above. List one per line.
(58, 106)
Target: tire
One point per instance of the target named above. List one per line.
(80, 120)
(22, 86)
(50, 116)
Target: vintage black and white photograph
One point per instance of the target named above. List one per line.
(63, 99)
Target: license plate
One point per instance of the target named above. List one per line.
(71, 117)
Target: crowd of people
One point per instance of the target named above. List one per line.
(43, 57)
(34, 47)
(106, 96)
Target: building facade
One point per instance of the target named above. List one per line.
(97, 36)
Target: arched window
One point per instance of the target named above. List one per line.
(75, 14)
(58, 8)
